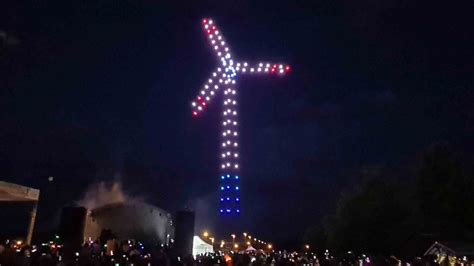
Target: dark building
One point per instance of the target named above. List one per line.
(140, 221)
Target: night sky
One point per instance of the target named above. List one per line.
(101, 92)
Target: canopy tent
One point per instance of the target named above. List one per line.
(201, 247)
(15, 193)
(451, 249)
(250, 249)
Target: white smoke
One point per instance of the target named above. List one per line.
(101, 194)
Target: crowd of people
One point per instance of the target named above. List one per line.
(130, 253)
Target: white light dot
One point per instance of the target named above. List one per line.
(193, 104)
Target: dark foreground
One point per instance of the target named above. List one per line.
(136, 255)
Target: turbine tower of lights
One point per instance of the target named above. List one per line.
(223, 78)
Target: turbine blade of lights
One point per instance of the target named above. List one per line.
(223, 79)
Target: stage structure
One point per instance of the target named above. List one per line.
(10, 192)
(224, 78)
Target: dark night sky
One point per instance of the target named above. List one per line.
(101, 92)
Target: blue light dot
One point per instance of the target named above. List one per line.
(222, 188)
(237, 199)
(236, 188)
(236, 177)
(221, 210)
(228, 176)
(228, 199)
(238, 211)
(228, 210)
(222, 199)
(222, 177)
(228, 187)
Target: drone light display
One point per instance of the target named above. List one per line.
(223, 80)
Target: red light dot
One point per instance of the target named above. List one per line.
(204, 21)
(195, 113)
(199, 98)
(287, 68)
(203, 104)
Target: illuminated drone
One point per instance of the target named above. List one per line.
(223, 80)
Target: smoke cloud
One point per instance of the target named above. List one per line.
(101, 194)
